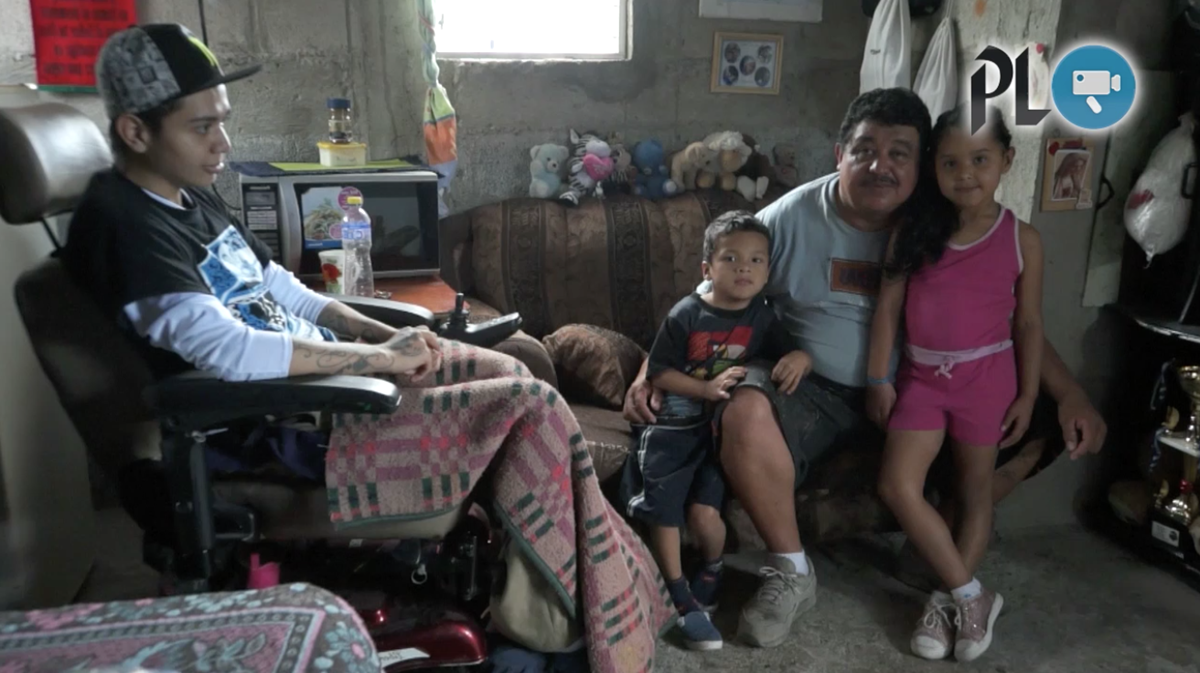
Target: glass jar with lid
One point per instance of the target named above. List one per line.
(341, 130)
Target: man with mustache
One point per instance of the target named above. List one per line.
(828, 239)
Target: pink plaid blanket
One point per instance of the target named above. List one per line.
(484, 408)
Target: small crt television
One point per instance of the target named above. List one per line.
(299, 214)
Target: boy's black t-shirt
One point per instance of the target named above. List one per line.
(123, 246)
(702, 341)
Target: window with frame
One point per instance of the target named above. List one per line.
(532, 29)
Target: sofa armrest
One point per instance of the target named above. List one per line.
(454, 252)
(198, 400)
(388, 312)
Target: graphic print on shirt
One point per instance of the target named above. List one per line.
(855, 277)
(720, 349)
(235, 277)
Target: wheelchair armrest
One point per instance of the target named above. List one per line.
(388, 312)
(199, 400)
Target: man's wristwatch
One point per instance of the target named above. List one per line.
(872, 381)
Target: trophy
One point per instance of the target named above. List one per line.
(1183, 507)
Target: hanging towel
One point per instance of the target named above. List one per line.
(937, 78)
(441, 122)
(887, 61)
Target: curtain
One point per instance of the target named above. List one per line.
(440, 121)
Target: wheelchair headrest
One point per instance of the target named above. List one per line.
(48, 153)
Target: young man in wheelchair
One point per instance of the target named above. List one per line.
(157, 250)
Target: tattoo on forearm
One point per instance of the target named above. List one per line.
(407, 343)
(335, 360)
(343, 324)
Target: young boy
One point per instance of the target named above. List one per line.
(696, 358)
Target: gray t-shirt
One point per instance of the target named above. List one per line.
(824, 279)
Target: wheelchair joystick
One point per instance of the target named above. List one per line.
(458, 319)
(484, 334)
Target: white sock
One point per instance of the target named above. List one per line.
(798, 560)
(967, 591)
(940, 597)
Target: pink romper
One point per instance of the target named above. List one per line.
(959, 372)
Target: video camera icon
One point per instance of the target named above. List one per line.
(1092, 83)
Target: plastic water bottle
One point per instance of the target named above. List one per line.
(356, 242)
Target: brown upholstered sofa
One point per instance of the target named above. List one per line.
(621, 264)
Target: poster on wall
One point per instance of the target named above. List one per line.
(1067, 174)
(808, 11)
(67, 36)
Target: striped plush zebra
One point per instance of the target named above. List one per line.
(591, 162)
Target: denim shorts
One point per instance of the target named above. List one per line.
(822, 415)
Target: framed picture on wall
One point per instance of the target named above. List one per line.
(746, 63)
(1067, 174)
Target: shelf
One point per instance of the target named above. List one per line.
(1161, 325)
(1180, 445)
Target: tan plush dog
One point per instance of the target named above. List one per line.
(732, 154)
(687, 164)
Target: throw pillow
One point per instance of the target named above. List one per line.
(594, 364)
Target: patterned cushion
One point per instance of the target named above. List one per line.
(611, 263)
(594, 364)
(294, 627)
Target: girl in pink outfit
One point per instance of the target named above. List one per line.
(967, 276)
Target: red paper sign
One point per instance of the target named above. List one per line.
(68, 34)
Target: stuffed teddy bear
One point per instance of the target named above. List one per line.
(786, 173)
(546, 169)
(732, 154)
(687, 165)
(653, 180)
(754, 177)
(624, 173)
(591, 162)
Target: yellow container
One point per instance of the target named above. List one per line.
(342, 155)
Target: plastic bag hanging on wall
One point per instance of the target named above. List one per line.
(1157, 211)
(937, 78)
(887, 59)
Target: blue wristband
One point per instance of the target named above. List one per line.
(879, 382)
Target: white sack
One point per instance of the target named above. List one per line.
(937, 78)
(887, 60)
(1156, 212)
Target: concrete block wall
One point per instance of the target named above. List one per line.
(505, 108)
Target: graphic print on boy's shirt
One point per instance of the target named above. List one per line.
(702, 341)
(234, 274)
(719, 349)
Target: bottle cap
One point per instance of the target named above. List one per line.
(338, 103)
(354, 200)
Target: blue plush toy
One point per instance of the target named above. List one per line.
(653, 177)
